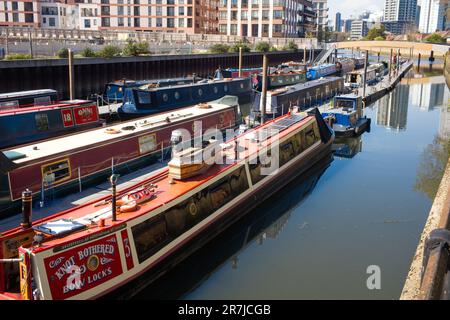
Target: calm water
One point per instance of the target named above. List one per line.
(316, 238)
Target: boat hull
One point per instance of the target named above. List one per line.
(362, 126)
(229, 217)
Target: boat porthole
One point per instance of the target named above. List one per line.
(225, 88)
(165, 97)
(216, 90)
(177, 95)
(92, 262)
(200, 92)
(192, 208)
(242, 86)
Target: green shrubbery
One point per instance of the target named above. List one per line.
(262, 46)
(109, 51)
(88, 53)
(435, 38)
(240, 44)
(63, 53)
(18, 56)
(291, 46)
(133, 48)
(219, 48)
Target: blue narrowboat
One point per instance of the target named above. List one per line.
(324, 70)
(114, 91)
(147, 101)
(345, 117)
(246, 72)
(26, 125)
(29, 98)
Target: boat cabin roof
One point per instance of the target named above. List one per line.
(66, 225)
(308, 84)
(20, 94)
(198, 83)
(45, 107)
(92, 137)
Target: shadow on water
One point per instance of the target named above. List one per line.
(266, 220)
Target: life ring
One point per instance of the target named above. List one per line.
(192, 208)
(129, 207)
(112, 130)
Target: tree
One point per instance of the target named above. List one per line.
(109, 51)
(262, 46)
(219, 48)
(376, 33)
(435, 38)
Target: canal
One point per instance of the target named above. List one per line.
(317, 237)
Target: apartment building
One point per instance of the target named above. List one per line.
(359, 29)
(321, 9)
(433, 15)
(184, 16)
(400, 15)
(266, 18)
(23, 13)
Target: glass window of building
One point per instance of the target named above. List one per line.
(181, 22)
(170, 22)
(171, 11)
(181, 11)
(159, 22)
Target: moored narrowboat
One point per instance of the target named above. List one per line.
(29, 124)
(146, 101)
(115, 91)
(302, 95)
(64, 164)
(95, 248)
(281, 78)
(246, 72)
(345, 117)
(30, 98)
(323, 70)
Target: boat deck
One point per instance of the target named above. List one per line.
(167, 190)
(93, 137)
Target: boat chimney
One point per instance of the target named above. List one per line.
(27, 199)
(113, 179)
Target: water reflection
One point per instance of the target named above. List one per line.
(261, 225)
(432, 165)
(427, 96)
(393, 108)
(347, 147)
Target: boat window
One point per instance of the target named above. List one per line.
(225, 88)
(41, 121)
(165, 97)
(150, 236)
(200, 92)
(311, 135)
(39, 101)
(216, 90)
(177, 95)
(193, 210)
(56, 172)
(144, 97)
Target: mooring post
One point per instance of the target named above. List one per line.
(366, 62)
(30, 41)
(240, 62)
(113, 179)
(264, 89)
(304, 54)
(27, 198)
(71, 73)
(390, 65)
(418, 61)
(79, 179)
(378, 56)
(7, 42)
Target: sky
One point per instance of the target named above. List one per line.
(353, 7)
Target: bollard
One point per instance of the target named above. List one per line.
(27, 199)
(113, 180)
(264, 89)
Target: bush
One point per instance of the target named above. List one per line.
(435, 38)
(63, 53)
(273, 49)
(237, 45)
(291, 46)
(379, 38)
(375, 33)
(133, 48)
(109, 51)
(219, 48)
(18, 56)
(262, 46)
(88, 53)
